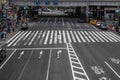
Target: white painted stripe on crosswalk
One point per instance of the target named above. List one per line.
(60, 37)
(81, 36)
(30, 43)
(47, 36)
(64, 37)
(55, 38)
(38, 37)
(20, 38)
(29, 38)
(101, 37)
(89, 36)
(113, 36)
(78, 39)
(51, 37)
(81, 73)
(98, 36)
(110, 36)
(93, 36)
(68, 35)
(43, 36)
(73, 37)
(105, 36)
(77, 78)
(85, 36)
(27, 35)
(13, 37)
(39, 34)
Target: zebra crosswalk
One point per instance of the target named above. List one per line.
(45, 37)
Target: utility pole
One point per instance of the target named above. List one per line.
(87, 10)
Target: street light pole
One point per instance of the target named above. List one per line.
(87, 10)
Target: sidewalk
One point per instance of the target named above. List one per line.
(9, 35)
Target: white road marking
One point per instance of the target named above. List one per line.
(73, 37)
(27, 35)
(97, 36)
(55, 38)
(60, 37)
(47, 20)
(77, 37)
(48, 69)
(69, 39)
(33, 38)
(13, 37)
(51, 37)
(22, 53)
(8, 59)
(113, 36)
(89, 36)
(72, 24)
(64, 37)
(19, 39)
(93, 36)
(40, 54)
(63, 22)
(38, 37)
(58, 53)
(42, 37)
(85, 36)
(24, 66)
(46, 39)
(81, 36)
(113, 70)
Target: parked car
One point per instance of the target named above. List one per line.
(2, 54)
(103, 26)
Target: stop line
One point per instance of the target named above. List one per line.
(28, 38)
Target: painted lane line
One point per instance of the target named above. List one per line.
(106, 36)
(22, 53)
(97, 36)
(93, 36)
(27, 35)
(78, 39)
(89, 36)
(8, 59)
(58, 53)
(81, 36)
(33, 38)
(29, 38)
(48, 69)
(63, 22)
(69, 39)
(51, 37)
(40, 54)
(19, 39)
(43, 35)
(46, 39)
(13, 37)
(55, 38)
(25, 66)
(64, 37)
(113, 70)
(60, 37)
(47, 20)
(85, 36)
(111, 38)
(73, 37)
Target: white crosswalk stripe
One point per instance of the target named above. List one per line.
(60, 37)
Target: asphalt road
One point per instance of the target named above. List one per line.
(62, 49)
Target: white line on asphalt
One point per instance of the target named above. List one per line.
(48, 69)
(24, 66)
(64, 37)
(97, 36)
(22, 53)
(55, 38)
(51, 37)
(63, 22)
(40, 54)
(43, 35)
(77, 37)
(38, 38)
(72, 24)
(73, 37)
(102, 37)
(112, 70)
(46, 39)
(93, 36)
(85, 36)
(27, 35)
(33, 38)
(81, 36)
(13, 37)
(20, 38)
(113, 36)
(89, 36)
(8, 59)
(47, 20)
(60, 37)
(69, 39)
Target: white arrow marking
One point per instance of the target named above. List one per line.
(40, 54)
(22, 53)
(58, 53)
